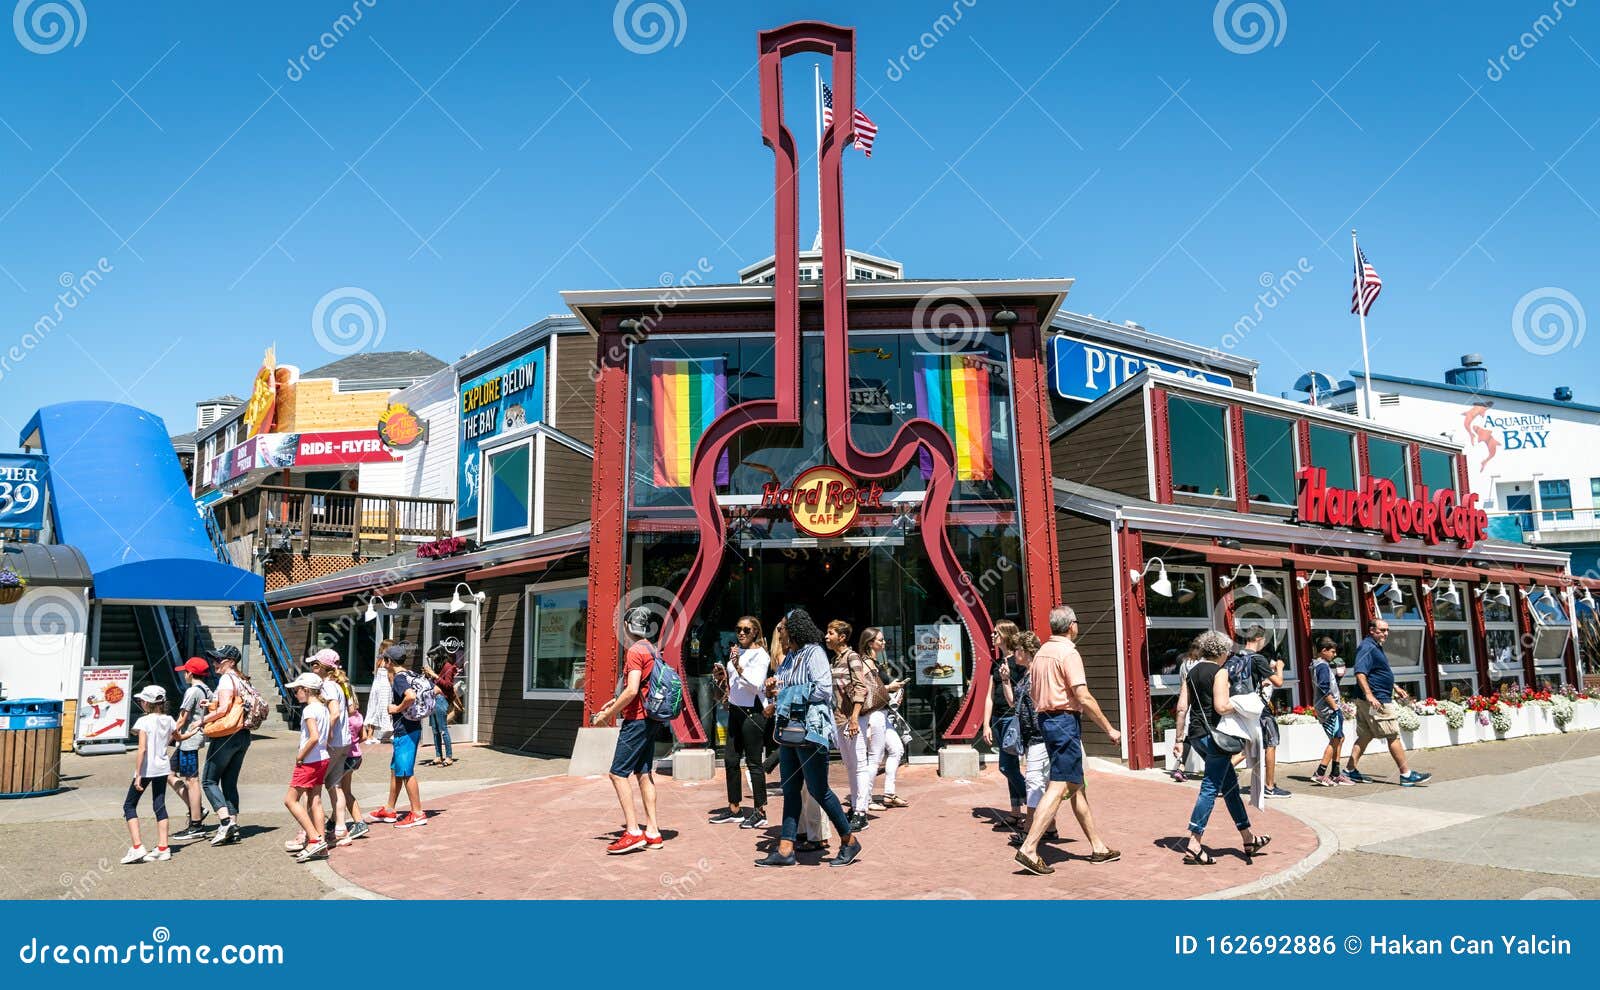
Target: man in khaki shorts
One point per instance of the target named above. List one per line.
(1377, 716)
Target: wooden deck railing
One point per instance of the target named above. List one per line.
(306, 520)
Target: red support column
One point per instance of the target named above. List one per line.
(1430, 646)
(608, 495)
(1161, 443)
(1302, 636)
(1036, 481)
(1241, 467)
(1136, 726)
(1474, 603)
(1525, 635)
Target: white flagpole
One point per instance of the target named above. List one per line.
(817, 75)
(1361, 311)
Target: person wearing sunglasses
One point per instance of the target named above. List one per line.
(747, 666)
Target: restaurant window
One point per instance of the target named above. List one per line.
(508, 491)
(1552, 630)
(1271, 611)
(1201, 457)
(1500, 628)
(1555, 500)
(1438, 470)
(1407, 629)
(1269, 453)
(1452, 641)
(1334, 615)
(1172, 623)
(352, 637)
(1387, 460)
(555, 638)
(1334, 451)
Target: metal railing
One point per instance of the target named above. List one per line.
(269, 637)
(280, 518)
(1545, 520)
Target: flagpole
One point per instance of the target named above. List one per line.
(1361, 311)
(817, 94)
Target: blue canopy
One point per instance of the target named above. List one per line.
(118, 494)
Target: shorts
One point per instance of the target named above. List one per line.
(1063, 740)
(636, 749)
(1270, 733)
(1332, 723)
(1035, 760)
(1382, 722)
(352, 763)
(403, 763)
(187, 764)
(309, 776)
(336, 766)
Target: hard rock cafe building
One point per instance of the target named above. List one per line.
(930, 457)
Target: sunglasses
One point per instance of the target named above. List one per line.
(746, 629)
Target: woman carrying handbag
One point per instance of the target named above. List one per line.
(803, 711)
(1204, 697)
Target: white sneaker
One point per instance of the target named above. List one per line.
(158, 856)
(135, 854)
(295, 844)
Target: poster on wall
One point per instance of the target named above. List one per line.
(936, 655)
(105, 700)
(500, 400)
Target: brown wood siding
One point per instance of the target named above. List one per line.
(1109, 451)
(574, 386)
(1088, 585)
(568, 485)
(505, 717)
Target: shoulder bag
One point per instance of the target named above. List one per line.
(232, 720)
(1225, 742)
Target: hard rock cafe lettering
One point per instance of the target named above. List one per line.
(823, 500)
(1432, 517)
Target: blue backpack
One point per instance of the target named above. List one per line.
(663, 693)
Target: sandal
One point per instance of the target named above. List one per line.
(810, 846)
(1197, 857)
(1254, 846)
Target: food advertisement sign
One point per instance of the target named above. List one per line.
(105, 701)
(936, 655)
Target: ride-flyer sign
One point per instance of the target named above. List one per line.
(105, 703)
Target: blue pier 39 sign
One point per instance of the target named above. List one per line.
(23, 478)
(1084, 371)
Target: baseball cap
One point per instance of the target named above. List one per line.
(638, 621)
(325, 657)
(222, 653)
(397, 652)
(196, 666)
(307, 680)
(152, 693)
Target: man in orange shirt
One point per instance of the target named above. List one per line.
(1060, 691)
(634, 758)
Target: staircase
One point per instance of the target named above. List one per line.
(245, 626)
(140, 636)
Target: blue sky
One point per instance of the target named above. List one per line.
(463, 165)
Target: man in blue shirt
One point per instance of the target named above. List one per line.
(1377, 716)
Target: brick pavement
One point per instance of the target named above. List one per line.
(546, 838)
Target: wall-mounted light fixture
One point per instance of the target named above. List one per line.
(456, 604)
(1162, 585)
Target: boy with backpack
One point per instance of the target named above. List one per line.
(412, 705)
(1249, 672)
(186, 764)
(651, 696)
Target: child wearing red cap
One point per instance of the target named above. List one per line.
(186, 763)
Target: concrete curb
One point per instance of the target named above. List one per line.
(339, 887)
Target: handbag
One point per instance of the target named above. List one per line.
(1224, 741)
(789, 714)
(1010, 735)
(877, 694)
(231, 721)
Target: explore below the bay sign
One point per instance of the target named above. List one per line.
(824, 501)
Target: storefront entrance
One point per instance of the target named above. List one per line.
(454, 636)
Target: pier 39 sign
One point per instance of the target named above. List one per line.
(1084, 371)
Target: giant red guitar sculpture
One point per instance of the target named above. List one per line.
(784, 408)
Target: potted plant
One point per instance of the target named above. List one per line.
(12, 585)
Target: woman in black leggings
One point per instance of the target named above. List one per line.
(225, 754)
(748, 666)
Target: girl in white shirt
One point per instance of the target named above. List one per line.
(155, 729)
(748, 667)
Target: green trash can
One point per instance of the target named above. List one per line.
(30, 747)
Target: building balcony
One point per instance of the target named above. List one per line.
(269, 522)
(1548, 527)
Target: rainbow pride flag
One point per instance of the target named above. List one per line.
(686, 395)
(953, 391)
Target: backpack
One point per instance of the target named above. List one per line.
(421, 707)
(663, 696)
(256, 708)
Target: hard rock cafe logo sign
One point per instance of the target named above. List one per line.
(824, 501)
(1432, 517)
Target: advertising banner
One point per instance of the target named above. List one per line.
(287, 450)
(105, 701)
(504, 398)
(936, 655)
(23, 481)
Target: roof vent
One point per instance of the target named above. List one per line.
(1472, 374)
(1563, 393)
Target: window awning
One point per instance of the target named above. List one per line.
(47, 565)
(516, 567)
(1219, 555)
(1318, 562)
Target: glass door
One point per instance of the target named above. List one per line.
(453, 637)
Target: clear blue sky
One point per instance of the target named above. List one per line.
(1122, 144)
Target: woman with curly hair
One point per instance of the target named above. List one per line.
(1203, 697)
(805, 680)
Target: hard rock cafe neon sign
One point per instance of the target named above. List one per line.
(1432, 516)
(823, 501)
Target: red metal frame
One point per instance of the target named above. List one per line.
(1480, 633)
(606, 521)
(1136, 680)
(1035, 479)
(1241, 468)
(1527, 634)
(1161, 443)
(1303, 637)
(1430, 644)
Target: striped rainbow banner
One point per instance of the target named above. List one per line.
(953, 391)
(687, 394)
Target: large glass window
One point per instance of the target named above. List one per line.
(508, 491)
(1387, 460)
(1553, 630)
(1407, 629)
(553, 658)
(1500, 624)
(1269, 452)
(1334, 616)
(1452, 641)
(1172, 624)
(355, 640)
(1334, 451)
(1201, 460)
(1555, 500)
(1438, 470)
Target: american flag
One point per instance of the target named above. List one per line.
(866, 130)
(1367, 285)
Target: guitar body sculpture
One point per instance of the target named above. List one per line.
(783, 409)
